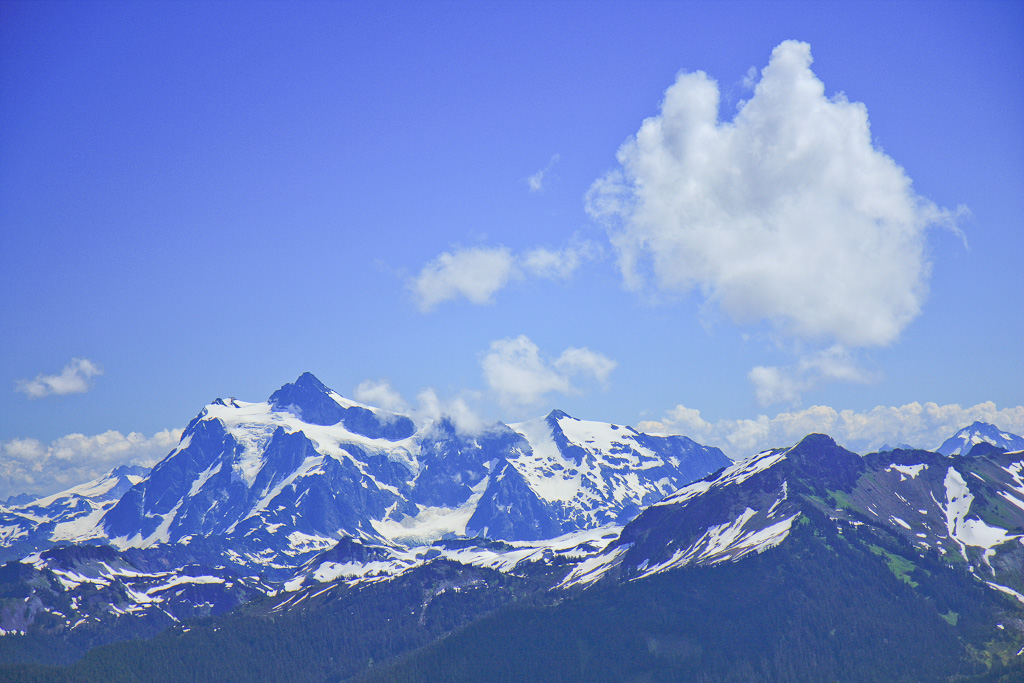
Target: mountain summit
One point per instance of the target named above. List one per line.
(964, 440)
(277, 481)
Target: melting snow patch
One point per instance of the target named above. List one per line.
(300, 542)
(899, 521)
(1008, 591)
(724, 542)
(180, 580)
(81, 529)
(332, 571)
(907, 470)
(203, 478)
(965, 532)
(1012, 499)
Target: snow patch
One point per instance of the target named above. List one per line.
(968, 532)
(906, 471)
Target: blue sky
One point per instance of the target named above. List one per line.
(422, 204)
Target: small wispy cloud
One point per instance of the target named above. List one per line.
(478, 273)
(519, 375)
(380, 394)
(430, 406)
(73, 379)
(536, 181)
(474, 273)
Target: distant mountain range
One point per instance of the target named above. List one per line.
(290, 518)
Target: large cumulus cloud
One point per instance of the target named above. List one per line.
(788, 213)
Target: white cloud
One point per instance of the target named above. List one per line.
(478, 273)
(558, 264)
(433, 407)
(30, 466)
(475, 273)
(787, 214)
(921, 425)
(585, 362)
(518, 375)
(536, 181)
(430, 407)
(73, 379)
(774, 384)
(380, 394)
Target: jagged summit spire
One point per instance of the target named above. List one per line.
(557, 414)
(309, 398)
(308, 379)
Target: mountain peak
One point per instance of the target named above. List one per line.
(316, 403)
(977, 432)
(824, 463)
(556, 415)
(310, 381)
(816, 441)
(310, 399)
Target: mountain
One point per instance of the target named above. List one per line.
(802, 563)
(964, 440)
(965, 511)
(267, 497)
(35, 523)
(282, 480)
(826, 604)
(310, 537)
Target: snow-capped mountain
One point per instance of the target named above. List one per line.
(281, 480)
(596, 473)
(309, 488)
(964, 510)
(41, 522)
(262, 500)
(967, 438)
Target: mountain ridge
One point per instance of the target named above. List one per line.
(277, 509)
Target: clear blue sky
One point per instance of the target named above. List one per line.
(206, 199)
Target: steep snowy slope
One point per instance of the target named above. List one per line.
(596, 473)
